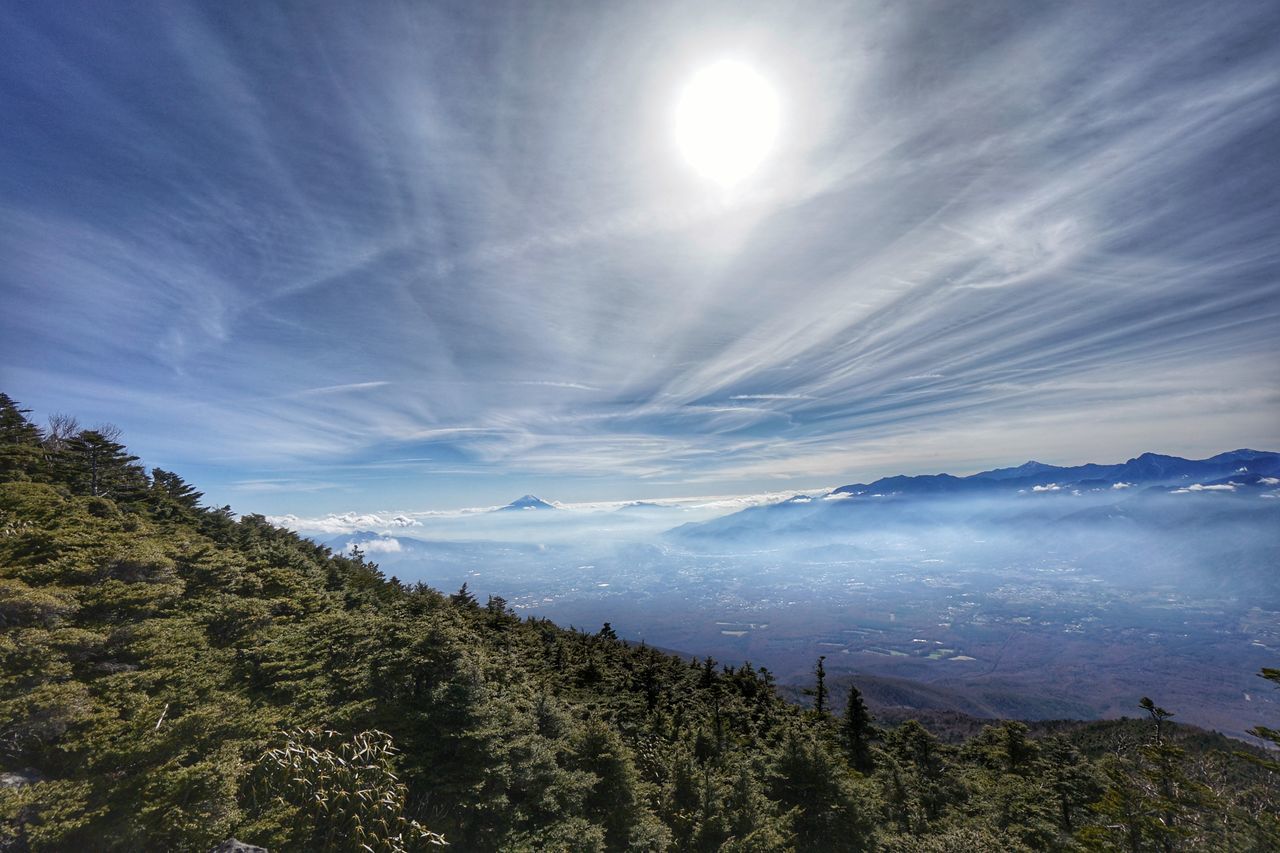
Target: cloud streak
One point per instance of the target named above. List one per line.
(987, 233)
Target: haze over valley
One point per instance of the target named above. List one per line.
(1032, 592)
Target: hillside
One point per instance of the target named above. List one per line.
(174, 676)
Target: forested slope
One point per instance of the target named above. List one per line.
(173, 676)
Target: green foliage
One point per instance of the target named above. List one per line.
(93, 463)
(833, 811)
(153, 650)
(20, 455)
(819, 691)
(616, 798)
(857, 732)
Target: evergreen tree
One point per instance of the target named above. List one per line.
(819, 691)
(94, 463)
(1172, 793)
(1158, 716)
(171, 496)
(615, 801)
(1126, 819)
(20, 454)
(922, 780)
(464, 598)
(856, 732)
(754, 824)
(681, 803)
(831, 812)
(1072, 783)
(1150, 801)
(708, 672)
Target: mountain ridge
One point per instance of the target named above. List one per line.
(1147, 467)
(913, 499)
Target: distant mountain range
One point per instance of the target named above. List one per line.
(1151, 489)
(1246, 466)
(1029, 493)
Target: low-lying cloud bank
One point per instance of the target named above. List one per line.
(699, 507)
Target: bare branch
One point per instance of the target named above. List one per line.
(109, 431)
(61, 429)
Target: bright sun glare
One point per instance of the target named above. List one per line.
(726, 121)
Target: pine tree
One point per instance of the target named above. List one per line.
(615, 800)
(830, 812)
(922, 759)
(1069, 777)
(1151, 801)
(95, 464)
(753, 820)
(1164, 772)
(680, 803)
(819, 691)
(708, 672)
(856, 731)
(464, 598)
(1125, 818)
(171, 496)
(1158, 716)
(20, 454)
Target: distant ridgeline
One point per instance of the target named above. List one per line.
(173, 677)
(1150, 491)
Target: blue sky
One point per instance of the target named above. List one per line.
(336, 256)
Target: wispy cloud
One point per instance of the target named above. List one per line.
(576, 386)
(1062, 243)
(770, 397)
(340, 389)
(285, 486)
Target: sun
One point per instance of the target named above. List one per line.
(726, 121)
